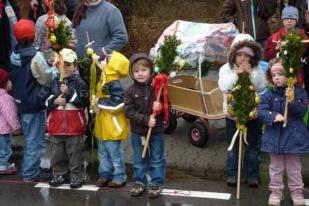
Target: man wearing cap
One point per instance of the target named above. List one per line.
(27, 81)
(289, 19)
(66, 98)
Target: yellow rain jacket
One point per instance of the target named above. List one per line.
(111, 123)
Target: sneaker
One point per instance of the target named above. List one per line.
(102, 182)
(297, 197)
(252, 182)
(41, 177)
(154, 191)
(231, 181)
(57, 180)
(275, 197)
(116, 184)
(137, 189)
(76, 183)
(10, 170)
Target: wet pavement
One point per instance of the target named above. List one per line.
(13, 192)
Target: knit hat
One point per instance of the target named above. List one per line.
(289, 12)
(4, 78)
(68, 55)
(24, 28)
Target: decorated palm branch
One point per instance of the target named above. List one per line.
(91, 71)
(165, 66)
(242, 102)
(290, 53)
(59, 34)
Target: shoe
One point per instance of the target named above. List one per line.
(116, 184)
(137, 189)
(41, 177)
(57, 180)
(252, 182)
(154, 191)
(76, 183)
(10, 170)
(297, 197)
(102, 182)
(231, 181)
(275, 197)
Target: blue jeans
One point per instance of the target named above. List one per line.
(5, 151)
(251, 156)
(112, 166)
(154, 162)
(33, 126)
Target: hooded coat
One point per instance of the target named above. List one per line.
(138, 99)
(292, 139)
(111, 123)
(227, 75)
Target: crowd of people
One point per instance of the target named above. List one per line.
(35, 98)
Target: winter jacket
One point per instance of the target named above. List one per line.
(8, 115)
(111, 123)
(292, 139)
(239, 11)
(71, 119)
(25, 86)
(138, 100)
(227, 75)
(270, 45)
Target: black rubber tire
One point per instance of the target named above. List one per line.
(198, 134)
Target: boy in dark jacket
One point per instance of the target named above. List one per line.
(26, 87)
(66, 122)
(139, 105)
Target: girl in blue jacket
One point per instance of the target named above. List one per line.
(284, 144)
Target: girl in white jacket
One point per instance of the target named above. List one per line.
(244, 56)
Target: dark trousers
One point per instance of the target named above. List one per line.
(67, 156)
(251, 157)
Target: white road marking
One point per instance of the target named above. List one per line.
(171, 192)
(67, 187)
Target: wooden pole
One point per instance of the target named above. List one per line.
(285, 112)
(239, 163)
(150, 128)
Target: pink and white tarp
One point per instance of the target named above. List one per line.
(212, 41)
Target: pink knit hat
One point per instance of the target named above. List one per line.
(245, 50)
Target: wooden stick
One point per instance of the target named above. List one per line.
(285, 112)
(150, 128)
(60, 67)
(239, 163)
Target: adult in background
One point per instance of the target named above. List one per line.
(9, 14)
(104, 24)
(38, 9)
(254, 15)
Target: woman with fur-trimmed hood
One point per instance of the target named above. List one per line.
(244, 56)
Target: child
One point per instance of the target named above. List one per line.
(66, 122)
(111, 126)
(138, 107)
(244, 56)
(27, 82)
(8, 124)
(283, 143)
(289, 20)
